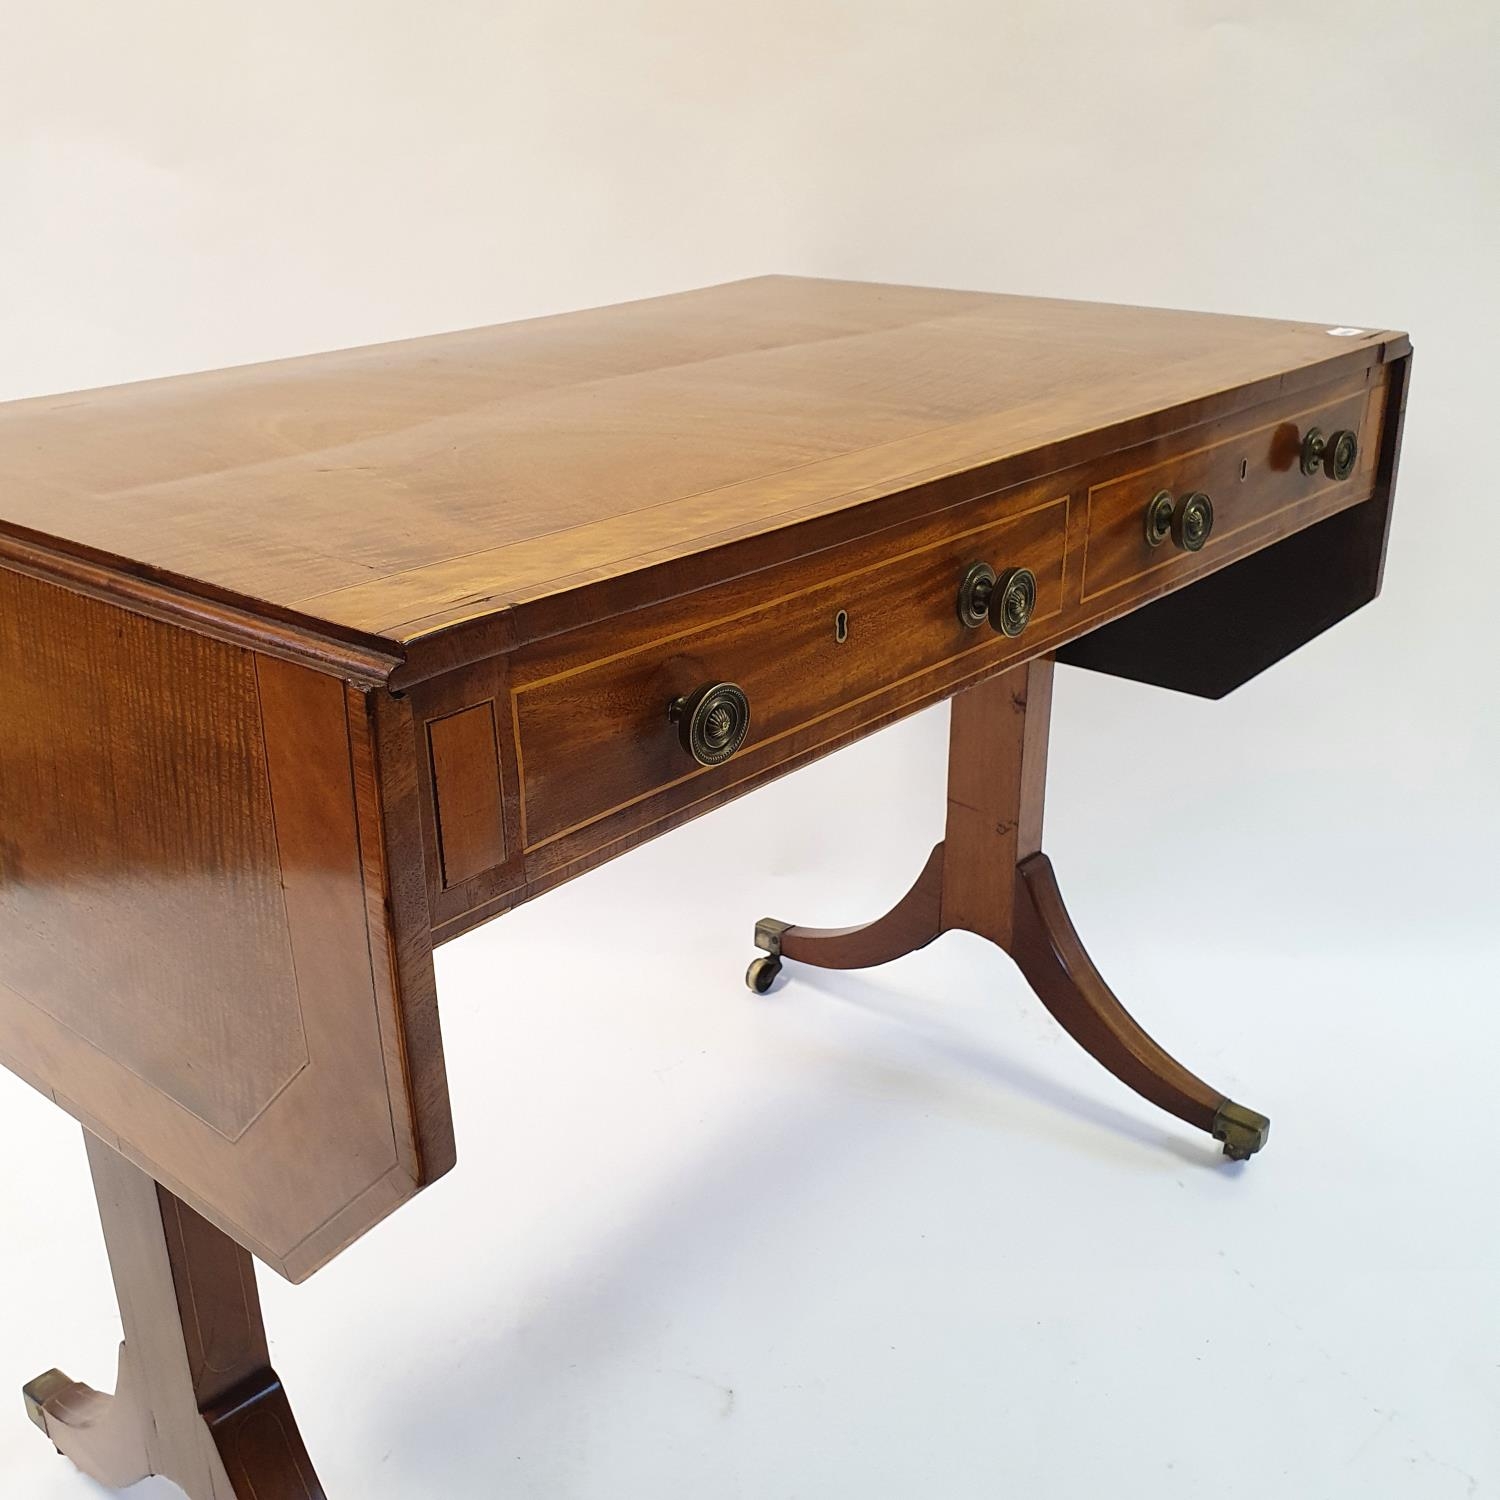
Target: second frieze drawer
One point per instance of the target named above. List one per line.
(594, 728)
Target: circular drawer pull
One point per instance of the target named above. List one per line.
(1013, 600)
(974, 595)
(1192, 521)
(1159, 518)
(1341, 454)
(1187, 521)
(712, 721)
(1006, 601)
(1335, 455)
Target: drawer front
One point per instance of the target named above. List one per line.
(595, 737)
(541, 762)
(1250, 476)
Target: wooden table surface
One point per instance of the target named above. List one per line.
(396, 490)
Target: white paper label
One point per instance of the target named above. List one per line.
(1344, 333)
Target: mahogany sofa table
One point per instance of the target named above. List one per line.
(310, 666)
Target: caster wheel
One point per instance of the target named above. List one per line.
(761, 974)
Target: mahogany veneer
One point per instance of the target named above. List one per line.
(311, 665)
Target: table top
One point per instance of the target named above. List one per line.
(396, 491)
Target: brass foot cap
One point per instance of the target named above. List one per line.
(1242, 1130)
(40, 1391)
(768, 933)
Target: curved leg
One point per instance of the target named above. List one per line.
(1050, 954)
(105, 1436)
(989, 877)
(197, 1399)
(910, 924)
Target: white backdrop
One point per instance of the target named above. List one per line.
(883, 1234)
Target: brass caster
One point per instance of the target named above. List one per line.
(1242, 1130)
(761, 974)
(40, 1391)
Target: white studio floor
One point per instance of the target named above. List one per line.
(891, 1234)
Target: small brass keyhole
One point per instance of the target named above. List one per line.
(841, 626)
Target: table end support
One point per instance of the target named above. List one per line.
(196, 1401)
(990, 877)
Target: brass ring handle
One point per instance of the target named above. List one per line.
(974, 595)
(1013, 600)
(1341, 454)
(1004, 602)
(711, 721)
(1192, 521)
(1336, 455)
(1159, 517)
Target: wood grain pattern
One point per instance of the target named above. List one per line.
(547, 457)
(997, 768)
(598, 765)
(466, 792)
(1251, 474)
(388, 777)
(195, 953)
(594, 738)
(430, 702)
(1216, 636)
(913, 922)
(123, 827)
